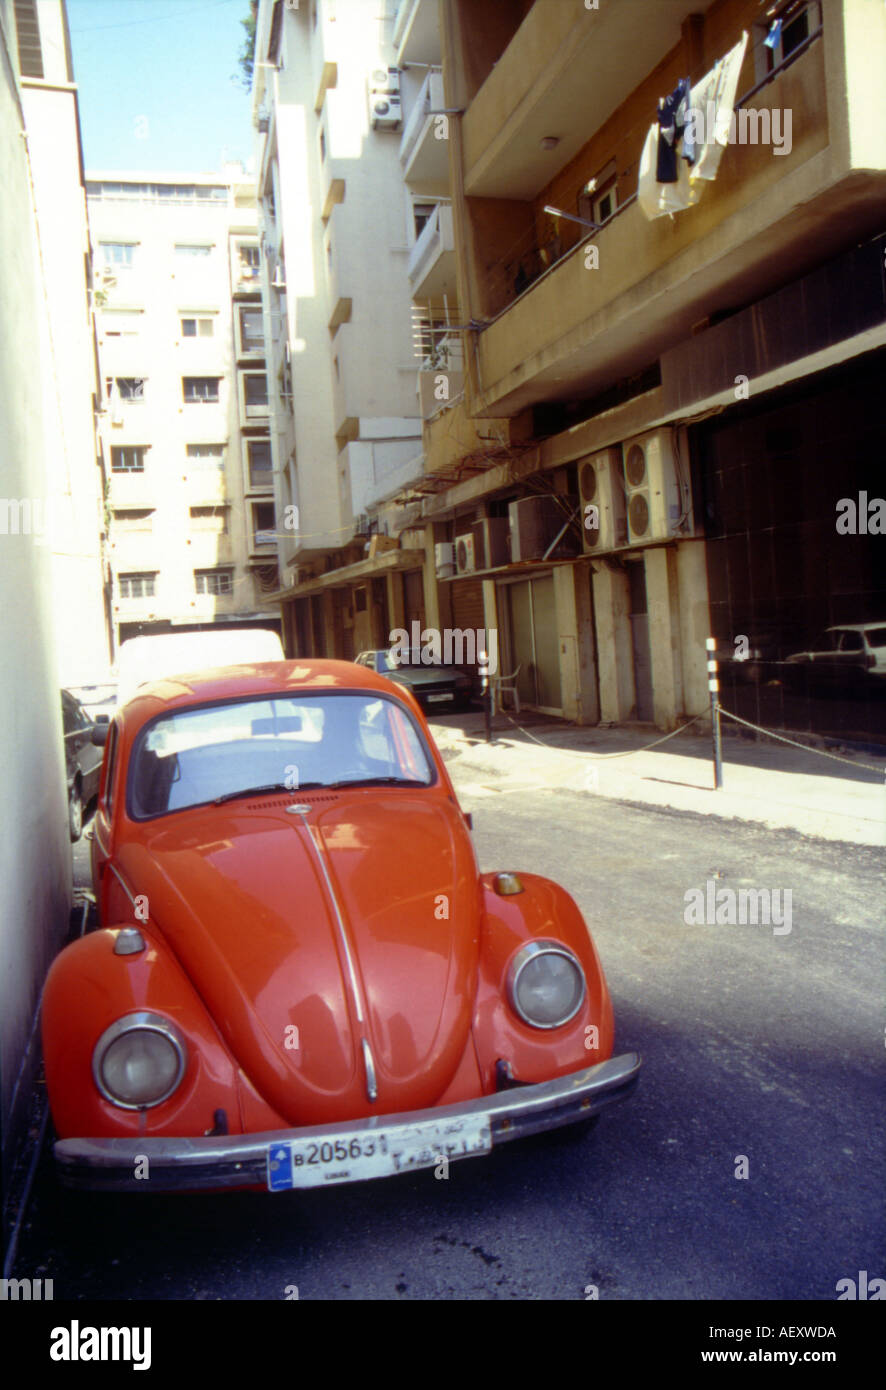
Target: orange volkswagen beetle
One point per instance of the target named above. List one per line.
(300, 975)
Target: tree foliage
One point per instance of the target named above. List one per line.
(246, 58)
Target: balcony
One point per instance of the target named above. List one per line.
(424, 151)
(431, 269)
(541, 86)
(416, 32)
(765, 220)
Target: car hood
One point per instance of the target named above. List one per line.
(292, 926)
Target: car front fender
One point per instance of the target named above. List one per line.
(542, 911)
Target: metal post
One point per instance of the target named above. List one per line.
(714, 688)
(488, 689)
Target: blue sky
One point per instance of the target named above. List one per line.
(155, 80)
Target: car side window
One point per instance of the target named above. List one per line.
(852, 642)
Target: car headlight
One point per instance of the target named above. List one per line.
(546, 984)
(139, 1061)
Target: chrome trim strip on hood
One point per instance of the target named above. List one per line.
(369, 1064)
(303, 811)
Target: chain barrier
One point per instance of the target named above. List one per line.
(835, 757)
(806, 748)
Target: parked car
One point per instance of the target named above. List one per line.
(435, 686)
(82, 761)
(99, 698)
(849, 656)
(300, 976)
(148, 658)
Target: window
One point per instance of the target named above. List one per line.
(30, 54)
(258, 453)
(118, 253)
(251, 330)
(250, 262)
(129, 458)
(128, 388)
(599, 198)
(133, 519)
(137, 585)
(263, 523)
(121, 323)
(200, 389)
(786, 29)
(183, 248)
(255, 394)
(210, 519)
(198, 327)
(422, 213)
(207, 456)
(214, 581)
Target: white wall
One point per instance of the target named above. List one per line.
(35, 854)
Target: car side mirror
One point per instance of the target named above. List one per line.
(100, 734)
(102, 719)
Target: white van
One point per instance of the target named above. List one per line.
(142, 659)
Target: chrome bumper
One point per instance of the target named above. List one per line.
(240, 1160)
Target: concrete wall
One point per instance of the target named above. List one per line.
(35, 854)
(76, 481)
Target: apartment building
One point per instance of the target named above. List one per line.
(189, 506)
(342, 246)
(671, 368)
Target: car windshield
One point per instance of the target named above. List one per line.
(285, 742)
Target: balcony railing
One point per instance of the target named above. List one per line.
(430, 98)
(437, 239)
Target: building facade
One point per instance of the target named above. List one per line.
(47, 461)
(680, 374)
(339, 235)
(189, 507)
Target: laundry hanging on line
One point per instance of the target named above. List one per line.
(702, 124)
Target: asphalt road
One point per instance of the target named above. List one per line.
(755, 1044)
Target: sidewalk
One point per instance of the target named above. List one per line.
(764, 782)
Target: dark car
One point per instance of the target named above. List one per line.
(436, 687)
(82, 759)
(848, 658)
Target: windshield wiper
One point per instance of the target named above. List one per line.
(271, 787)
(378, 782)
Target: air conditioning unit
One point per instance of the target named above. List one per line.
(444, 559)
(385, 81)
(656, 500)
(536, 521)
(464, 554)
(387, 112)
(491, 542)
(602, 496)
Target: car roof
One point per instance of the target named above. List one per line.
(855, 627)
(241, 681)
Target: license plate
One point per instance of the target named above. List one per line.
(439, 697)
(355, 1156)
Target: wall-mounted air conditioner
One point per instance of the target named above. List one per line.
(385, 80)
(387, 112)
(491, 542)
(464, 554)
(536, 522)
(658, 502)
(602, 496)
(444, 559)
